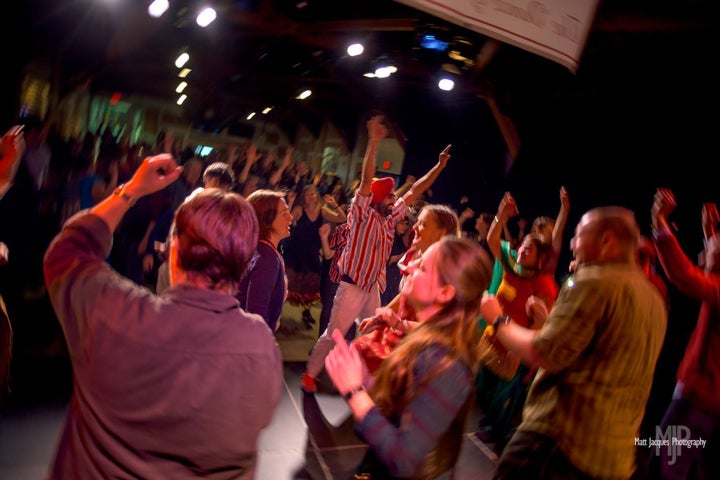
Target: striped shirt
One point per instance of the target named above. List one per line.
(337, 242)
(599, 346)
(370, 241)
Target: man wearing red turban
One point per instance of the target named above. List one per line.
(373, 213)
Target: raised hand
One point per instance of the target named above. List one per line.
(444, 156)
(466, 214)
(232, 154)
(507, 208)
(564, 198)
(13, 147)
(168, 141)
(251, 154)
(663, 204)
(288, 156)
(710, 219)
(376, 129)
(4, 254)
(330, 200)
(154, 174)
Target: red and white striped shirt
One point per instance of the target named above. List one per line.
(370, 241)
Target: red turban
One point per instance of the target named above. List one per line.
(381, 188)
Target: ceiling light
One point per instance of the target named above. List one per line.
(182, 99)
(181, 86)
(182, 60)
(249, 117)
(384, 67)
(449, 75)
(369, 75)
(184, 72)
(446, 84)
(383, 72)
(304, 95)
(355, 49)
(158, 7)
(266, 110)
(206, 17)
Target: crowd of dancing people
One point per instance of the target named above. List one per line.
(168, 273)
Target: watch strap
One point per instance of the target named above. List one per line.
(348, 395)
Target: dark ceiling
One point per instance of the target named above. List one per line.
(264, 52)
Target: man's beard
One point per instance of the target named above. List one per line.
(382, 209)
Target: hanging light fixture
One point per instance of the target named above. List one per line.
(384, 67)
(158, 7)
(182, 59)
(448, 76)
(206, 16)
(355, 49)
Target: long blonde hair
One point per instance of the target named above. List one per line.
(466, 266)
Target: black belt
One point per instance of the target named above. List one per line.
(346, 278)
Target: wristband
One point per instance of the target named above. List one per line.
(347, 396)
(500, 320)
(121, 192)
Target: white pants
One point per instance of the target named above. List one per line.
(350, 303)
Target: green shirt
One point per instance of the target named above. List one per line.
(599, 347)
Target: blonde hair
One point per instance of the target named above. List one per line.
(444, 216)
(466, 266)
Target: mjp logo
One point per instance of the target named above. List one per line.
(674, 438)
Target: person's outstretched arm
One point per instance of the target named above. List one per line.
(13, 147)
(400, 191)
(154, 174)
(425, 182)
(277, 174)
(506, 210)
(376, 132)
(687, 277)
(560, 221)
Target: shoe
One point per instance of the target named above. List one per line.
(308, 383)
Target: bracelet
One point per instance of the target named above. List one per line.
(497, 220)
(121, 192)
(500, 320)
(347, 396)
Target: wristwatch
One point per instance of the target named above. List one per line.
(500, 320)
(347, 396)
